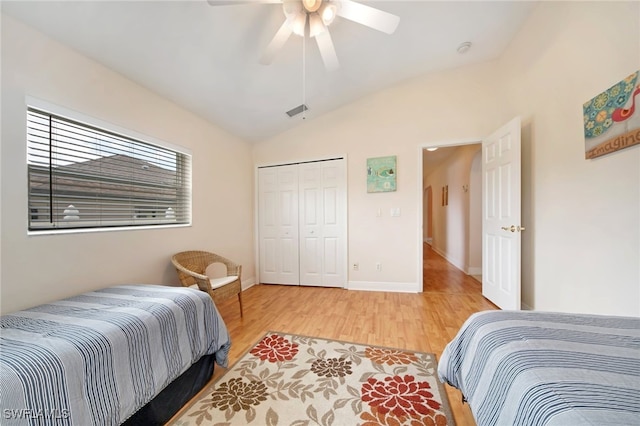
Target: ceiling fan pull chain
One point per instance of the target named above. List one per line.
(304, 77)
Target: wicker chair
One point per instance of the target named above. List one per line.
(191, 267)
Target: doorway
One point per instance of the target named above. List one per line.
(501, 213)
(452, 222)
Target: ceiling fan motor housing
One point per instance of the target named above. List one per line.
(316, 16)
(296, 12)
(312, 5)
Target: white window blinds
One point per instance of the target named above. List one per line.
(81, 176)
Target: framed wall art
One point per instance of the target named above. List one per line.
(611, 121)
(445, 195)
(382, 174)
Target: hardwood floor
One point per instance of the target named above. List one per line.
(423, 322)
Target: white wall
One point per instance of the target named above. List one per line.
(581, 249)
(37, 269)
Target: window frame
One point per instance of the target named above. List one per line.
(133, 136)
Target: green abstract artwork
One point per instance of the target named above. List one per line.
(381, 174)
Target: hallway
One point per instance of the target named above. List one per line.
(441, 276)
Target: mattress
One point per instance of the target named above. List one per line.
(98, 357)
(544, 368)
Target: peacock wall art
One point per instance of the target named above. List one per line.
(611, 121)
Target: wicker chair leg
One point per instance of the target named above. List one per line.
(240, 300)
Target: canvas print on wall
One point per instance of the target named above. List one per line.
(611, 121)
(381, 174)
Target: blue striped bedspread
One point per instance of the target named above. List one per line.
(96, 358)
(541, 368)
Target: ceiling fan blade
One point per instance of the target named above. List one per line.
(369, 16)
(327, 51)
(233, 2)
(276, 43)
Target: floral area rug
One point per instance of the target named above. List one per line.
(297, 380)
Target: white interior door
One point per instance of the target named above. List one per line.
(501, 227)
(278, 225)
(322, 199)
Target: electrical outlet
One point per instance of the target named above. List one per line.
(378, 266)
(356, 266)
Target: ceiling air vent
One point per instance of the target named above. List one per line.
(297, 110)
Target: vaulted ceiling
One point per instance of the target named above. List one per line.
(206, 58)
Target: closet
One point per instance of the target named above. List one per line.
(302, 223)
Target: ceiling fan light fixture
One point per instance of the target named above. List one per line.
(316, 26)
(328, 12)
(298, 23)
(320, 14)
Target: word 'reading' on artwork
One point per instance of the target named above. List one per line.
(381, 174)
(611, 121)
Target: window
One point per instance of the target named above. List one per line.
(81, 176)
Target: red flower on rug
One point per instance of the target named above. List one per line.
(376, 418)
(275, 348)
(401, 396)
(389, 356)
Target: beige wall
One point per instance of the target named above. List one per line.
(36, 269)
(581, 250)
(454, 105)
(475, 216)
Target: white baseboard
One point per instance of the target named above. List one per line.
(248, 283)
(394, 287)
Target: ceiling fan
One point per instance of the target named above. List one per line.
(313, 17)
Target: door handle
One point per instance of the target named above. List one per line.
(513, 228)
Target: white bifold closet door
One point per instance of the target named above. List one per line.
(302, 224)
(278, 223)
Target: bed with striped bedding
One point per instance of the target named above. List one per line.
(542, 368)
(96, 358)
